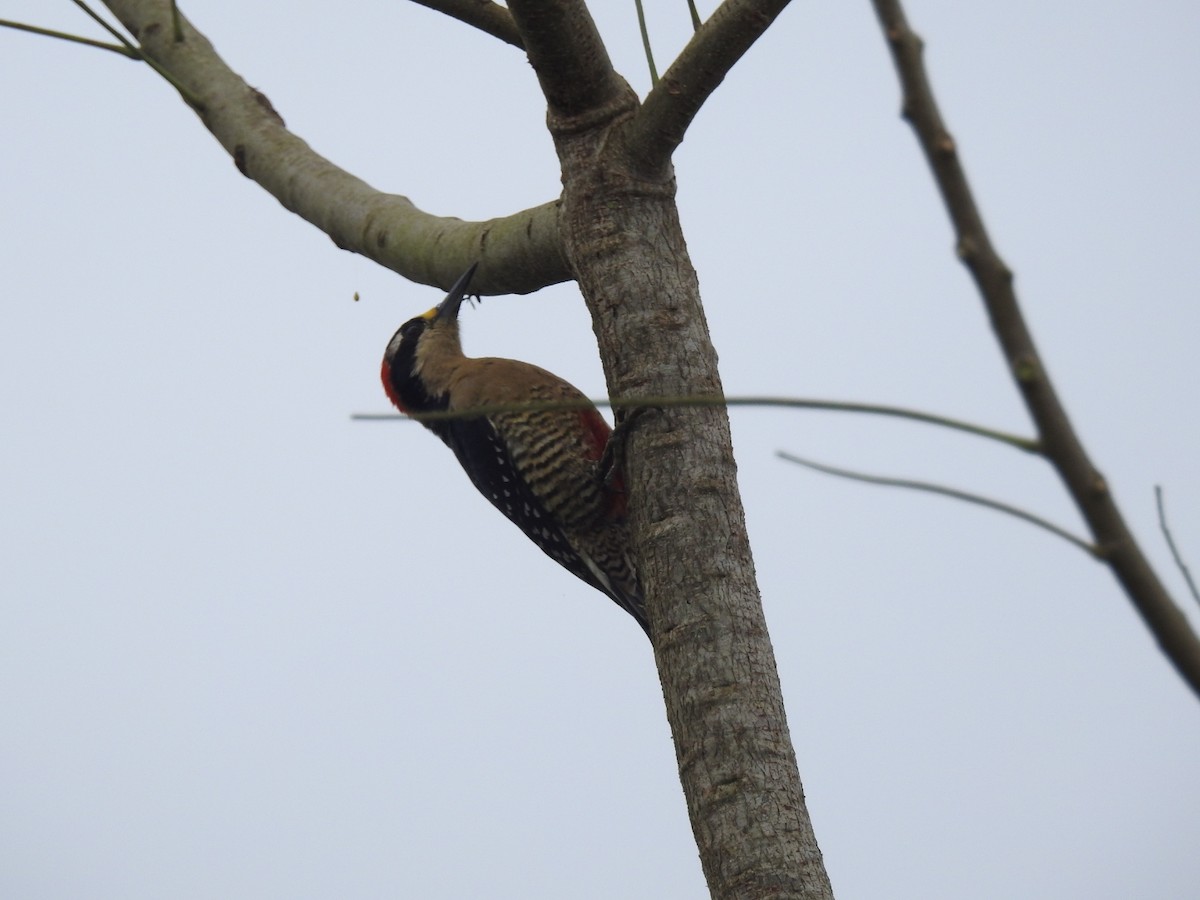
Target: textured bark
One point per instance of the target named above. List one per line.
(622, 237)
(714, 655)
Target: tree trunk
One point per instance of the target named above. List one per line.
(623, 237)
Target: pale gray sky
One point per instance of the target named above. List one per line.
(249, 648)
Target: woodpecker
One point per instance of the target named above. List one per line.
(546, 470)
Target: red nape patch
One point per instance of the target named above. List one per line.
(385, 375)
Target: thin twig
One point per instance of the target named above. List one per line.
(176, 24)
(74, 38)
(956, 494)
(1162, 523)
(191, 99)
(1012, 440)
(103, 24)
(695, 15)
(641, 14)
(994, 280)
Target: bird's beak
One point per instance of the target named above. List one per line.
(448, 308)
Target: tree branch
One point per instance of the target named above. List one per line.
(944, 491)
(1175, 554)
(485, 15)
(659, 126)
(629, 403)
(74, 38)
(189, 97)
(570, 60)
(641, 16)
(994, 280)
(521, 252)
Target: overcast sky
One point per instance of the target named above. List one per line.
(250, 648)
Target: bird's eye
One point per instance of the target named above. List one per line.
(412, 327)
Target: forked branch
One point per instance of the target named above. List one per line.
(672, 104)
(73, 38)
(569, 57)
(1061, 445)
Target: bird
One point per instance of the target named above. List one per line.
(553, 472)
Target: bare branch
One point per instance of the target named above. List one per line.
(521, 252)
(1178, 557)
(176, 27)
(74, 38)
(91, 14)
(189, 97)
(659, 126)
(929, 487)
(641, 15)
(570, 59)
(489, 17)
(994, 280)
(900, 412)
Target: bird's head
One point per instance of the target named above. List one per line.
(423, 353)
